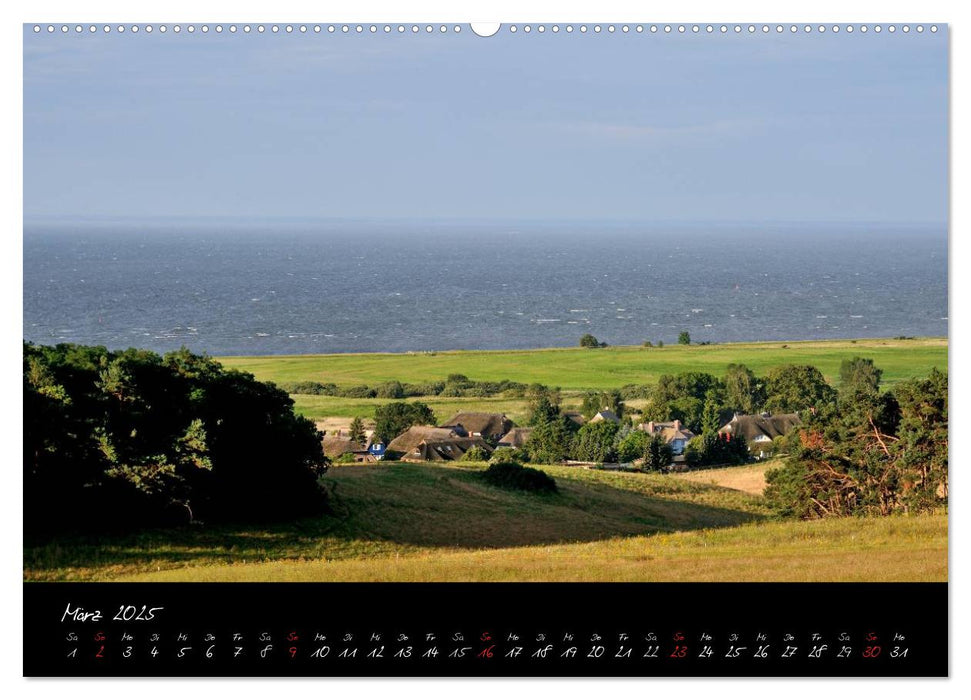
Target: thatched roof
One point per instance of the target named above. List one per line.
(516, 437)
(670, 430)
(575, 416)
(491, 425)
(761, 428)
(444, 450)
(410, 439)
(605, 415)
(336, 445)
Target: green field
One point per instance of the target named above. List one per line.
(442, 523)
(574, 369)
(602, 368)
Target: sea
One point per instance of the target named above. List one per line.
(294, 287)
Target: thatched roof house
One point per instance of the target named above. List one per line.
(605, 415)
(761, 428)
(516, 438)
(336, 446)
(409, 440)
(575, 416)
(444, 450)
(477, 424)
(674, 433)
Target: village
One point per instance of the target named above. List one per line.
(476, 436)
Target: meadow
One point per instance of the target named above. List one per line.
(574, 370)
(424, 522)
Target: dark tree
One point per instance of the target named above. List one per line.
(589, 341)
(357, 430)
(657, 456)
(684, 338)
(392, 419)
(146, 440)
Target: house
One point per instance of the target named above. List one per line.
(410, 439)
(575, 416)
(675, 435)
(605, 415)
(760, 430)
(515, 438)
(339, 445)
(490, 426)
(444, 450)
(375, 447)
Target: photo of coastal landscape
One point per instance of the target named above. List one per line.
(402, 303)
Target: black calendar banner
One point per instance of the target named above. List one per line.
(486, 630)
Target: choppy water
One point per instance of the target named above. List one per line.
(306, 288)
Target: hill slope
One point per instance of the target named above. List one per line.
(442, 522)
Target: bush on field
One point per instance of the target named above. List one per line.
(511, 475)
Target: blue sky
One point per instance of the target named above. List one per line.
(634, 127)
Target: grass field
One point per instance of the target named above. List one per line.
(602, 368)
(442, 522)
(572, 369)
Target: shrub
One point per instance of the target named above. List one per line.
(475, 454)
(505, 454)
(589, 341)
(358, 392)
(511, 475)
(684, 338)
(390, 390)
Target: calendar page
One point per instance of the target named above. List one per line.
(520, 349)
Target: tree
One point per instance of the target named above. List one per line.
(658, 455)
(550, 442)
(392, 419)
(791, 388)
(543, 404)
(877, 454)
(716, 449)
(744, 392)
(632, 445)
(682, 397)
(596, 401)
(710, 414)
(589, 341)
(148, 440)
(357, 430)
(859, 375)
(684, 338)
(594, 442)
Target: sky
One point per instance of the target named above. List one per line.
(545, 127)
